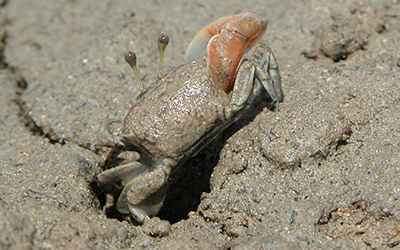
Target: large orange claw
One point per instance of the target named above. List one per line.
(230, 36)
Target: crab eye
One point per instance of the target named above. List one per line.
(130, 57)
(163, 39)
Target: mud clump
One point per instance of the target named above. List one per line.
(338, 39)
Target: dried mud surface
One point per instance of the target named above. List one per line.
(320, 172)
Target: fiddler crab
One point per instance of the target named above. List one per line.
(187, 108)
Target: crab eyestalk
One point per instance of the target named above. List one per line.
(130, 58)
(163, 41)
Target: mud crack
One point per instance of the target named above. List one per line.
(3, 63)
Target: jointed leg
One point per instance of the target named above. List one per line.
(125, 172)
(143, 197)
(243, 86)
(273, 71)
(267, 71)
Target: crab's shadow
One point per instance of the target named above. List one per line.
(188, 183)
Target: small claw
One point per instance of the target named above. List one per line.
(108, 135)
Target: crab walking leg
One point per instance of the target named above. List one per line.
(258, 69)
(269, 73)
(267, 83)
(273, 71)
(241, 91)
(124, 173)
(143, 197)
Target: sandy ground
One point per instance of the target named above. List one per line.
(322, 172)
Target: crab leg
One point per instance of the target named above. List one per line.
(144, 196)
(268, 75)
(125, 173)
